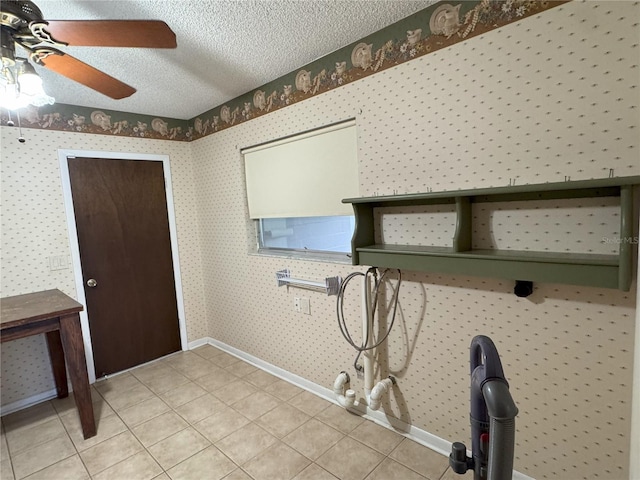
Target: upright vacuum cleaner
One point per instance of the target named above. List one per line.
(493, 415)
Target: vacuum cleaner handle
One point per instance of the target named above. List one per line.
(484, 352)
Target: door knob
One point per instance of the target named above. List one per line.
(91, 283)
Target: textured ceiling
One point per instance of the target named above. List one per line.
(225, 48)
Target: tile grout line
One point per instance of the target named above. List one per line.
(384, 456)
(130, 429)
(71, 440)
(192, 424)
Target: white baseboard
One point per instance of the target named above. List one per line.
(200, 342)
(27, 402)
(418, 435)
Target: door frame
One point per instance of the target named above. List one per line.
(63, 154)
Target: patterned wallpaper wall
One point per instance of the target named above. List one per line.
(34, 228)
(550, 97)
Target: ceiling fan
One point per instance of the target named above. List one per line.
(22, 23)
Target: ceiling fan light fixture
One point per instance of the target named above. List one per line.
(30, 82)
(10, 97)
(21, 86)
(41, 100)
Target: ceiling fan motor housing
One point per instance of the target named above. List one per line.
(15, 17)
(18, 14)
(7, 48)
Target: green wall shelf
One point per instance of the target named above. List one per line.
(608, 271)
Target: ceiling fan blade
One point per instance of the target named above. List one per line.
(112, 33)
(79, 71)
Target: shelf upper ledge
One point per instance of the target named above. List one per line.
(487, 254)
(534, 188)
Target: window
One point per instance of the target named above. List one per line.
(311, 234)
(295, 188)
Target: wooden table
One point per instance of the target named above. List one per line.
(57, 315)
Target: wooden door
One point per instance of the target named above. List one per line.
(125, 248)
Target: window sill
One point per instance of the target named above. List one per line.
(324, 257)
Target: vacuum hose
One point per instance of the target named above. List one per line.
(372, 304)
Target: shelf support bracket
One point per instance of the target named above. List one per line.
(462, 236)
(626, 233)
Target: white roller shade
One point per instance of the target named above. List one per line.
(306, 175)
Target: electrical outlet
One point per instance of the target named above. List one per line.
(305, 306)
(296, 304)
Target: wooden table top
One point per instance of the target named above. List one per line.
(22, 309)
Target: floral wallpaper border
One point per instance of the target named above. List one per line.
(438, 26)
(71, 118)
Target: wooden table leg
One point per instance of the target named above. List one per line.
(56, 353)
(71, 336)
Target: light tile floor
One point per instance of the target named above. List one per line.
(205, 414)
